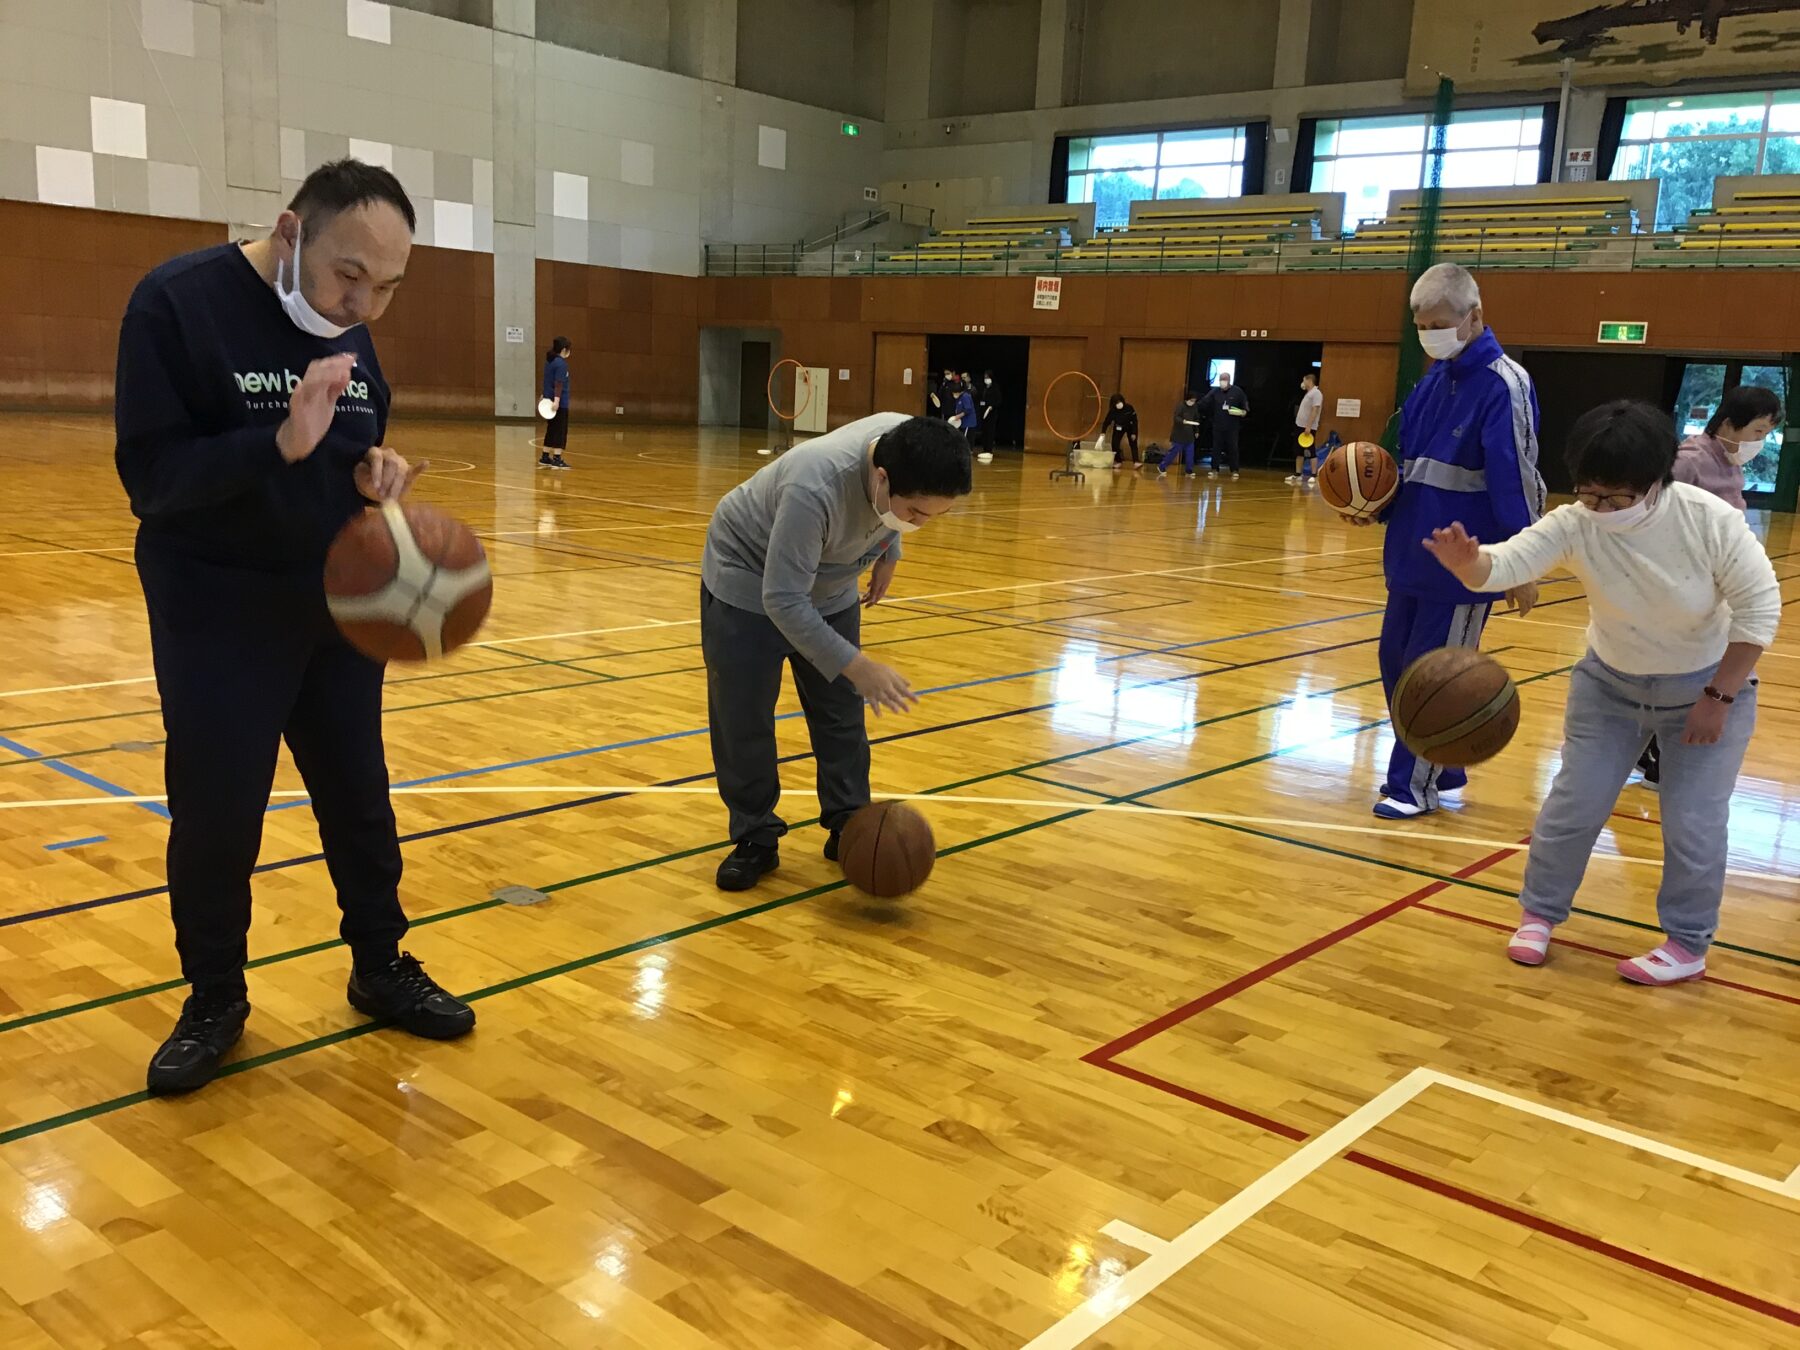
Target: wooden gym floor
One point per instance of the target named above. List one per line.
(1257, 1075)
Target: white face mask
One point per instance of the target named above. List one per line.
(892, 521)
(304, 316)
(1624, 520)
(1741, 453)
(1441, 344)
(987, 381)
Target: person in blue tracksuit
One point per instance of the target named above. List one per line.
(1468, 453)
(965, 418)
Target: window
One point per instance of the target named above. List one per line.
(1114, 171)
(1366, 158)
(1687, 142)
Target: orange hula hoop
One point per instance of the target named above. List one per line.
(769, 389)
(1099, 405)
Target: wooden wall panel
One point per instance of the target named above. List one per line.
(1071, 405)
(65, 276)
(436, 341)
(895, 354)
(636, 335)
(1152, 375)
(1359, 370)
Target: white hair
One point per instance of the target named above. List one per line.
(1446, 284)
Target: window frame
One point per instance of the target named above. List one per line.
(1236, 165)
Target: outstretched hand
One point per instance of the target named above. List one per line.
(1455, 548)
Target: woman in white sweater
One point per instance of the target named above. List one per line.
(1682, 601)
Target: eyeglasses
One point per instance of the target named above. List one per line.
(1608, 501)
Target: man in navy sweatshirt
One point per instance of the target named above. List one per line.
(1469, 453)
(250, 413)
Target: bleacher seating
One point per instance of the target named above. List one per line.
(1755, 222)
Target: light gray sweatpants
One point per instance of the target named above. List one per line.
(1609, 719)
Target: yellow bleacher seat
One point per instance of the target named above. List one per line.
(1620, 199)
(1027, 218)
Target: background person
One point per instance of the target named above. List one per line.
(556, 389)
(1682, 602)
(987, 404)
(1122, 418)
(1184, 430)
(1306, 422)
(1226, 407)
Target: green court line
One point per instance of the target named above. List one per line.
(1466, 883)
(475, 907)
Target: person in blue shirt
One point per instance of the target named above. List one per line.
(1468, 453)
(251, 415)
(556, 389)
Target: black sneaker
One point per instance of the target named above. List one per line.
(544, 460)
(559, 463)
(401, 992)
(209, 1025)
(748, 864)
(832, 844)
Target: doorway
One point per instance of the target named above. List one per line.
(753, 385)
(1269, 374)
(1008, 357)
(1699, 382)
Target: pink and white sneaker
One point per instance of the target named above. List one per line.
(1670, 963)
(1531, 943)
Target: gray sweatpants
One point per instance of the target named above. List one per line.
(1609, 719)
(745, 653)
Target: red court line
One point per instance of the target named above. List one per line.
(1574, 1237)
(1602, 951)
(1104, 1058)
(1179, 1015)
(1641, 820)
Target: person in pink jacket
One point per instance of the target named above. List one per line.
(1714, 461)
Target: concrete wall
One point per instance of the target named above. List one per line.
(987, 56)
(832, 53)
(1353, 40)
(1152, 49)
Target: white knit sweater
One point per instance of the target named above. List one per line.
(1664, 596)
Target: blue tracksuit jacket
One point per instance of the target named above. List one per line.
(1468, 452)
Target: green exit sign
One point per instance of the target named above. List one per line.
(850, 129)
(1624, 332)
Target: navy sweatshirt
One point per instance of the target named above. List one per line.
(206, 359)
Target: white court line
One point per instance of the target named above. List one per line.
(43, 552)
(977, 590)
(63, 688)
(1173, 1257)
(1792, 1185)
(1132, 1236)
(1049, 804)
(688, 623)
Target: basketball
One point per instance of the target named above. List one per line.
(1455, 706)
(1358, 479)
(887, 850)
(407, 582)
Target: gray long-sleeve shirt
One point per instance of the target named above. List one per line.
(792, 540)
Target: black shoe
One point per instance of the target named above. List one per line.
(748, 864)
(544, 460)
(209, 1026)
(401, 992)
(831, 845)
(559, 463)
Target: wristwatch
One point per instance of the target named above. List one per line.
(1717, 697)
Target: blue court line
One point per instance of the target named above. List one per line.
(80, 775)
(935, 689)
(75, 843)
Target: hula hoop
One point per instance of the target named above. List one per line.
(770, 389)
(1099, 406)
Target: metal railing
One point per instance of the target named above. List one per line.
(814, 257)
(1555, 248)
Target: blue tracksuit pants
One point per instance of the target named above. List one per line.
(1411, 627)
